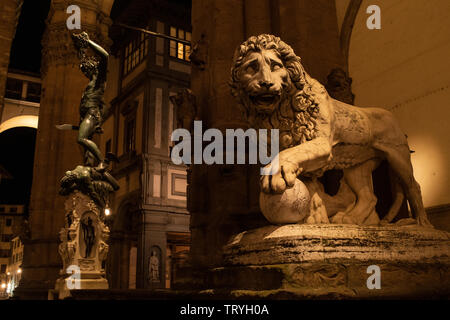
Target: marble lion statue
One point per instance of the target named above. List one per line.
(318, 133)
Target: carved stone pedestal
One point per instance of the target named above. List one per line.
(300, 261)
(84, 246)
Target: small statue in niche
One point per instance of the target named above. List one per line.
(88, 235)
(154, 266)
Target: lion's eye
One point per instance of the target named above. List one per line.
(275, 66)
(252, 68)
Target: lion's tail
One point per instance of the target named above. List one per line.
(399, 197)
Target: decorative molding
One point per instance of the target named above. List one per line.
(58, 48)
(129, 107)
(347, 28)
(413, 99)
(174, 177)
(438, 209)
(158, 118)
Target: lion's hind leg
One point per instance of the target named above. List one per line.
(359, 179)
(399, 161)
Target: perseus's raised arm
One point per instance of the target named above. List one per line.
(82, 42)
(99, 50)
(103, 64)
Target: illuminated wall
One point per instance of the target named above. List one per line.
(404, 67)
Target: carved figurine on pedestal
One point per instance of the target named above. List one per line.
(319, 133)
(84, 238)
(88, 236)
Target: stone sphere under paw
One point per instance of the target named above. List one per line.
(291, 206)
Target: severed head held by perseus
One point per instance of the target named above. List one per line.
(318, 133)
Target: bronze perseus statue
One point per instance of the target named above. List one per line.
(91, 178)
(92, 104)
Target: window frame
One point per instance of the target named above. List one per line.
(129, 114)
(134, 52)
(176, 47)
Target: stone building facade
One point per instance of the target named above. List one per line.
(150, 223)
(11, 217)
(20, 107)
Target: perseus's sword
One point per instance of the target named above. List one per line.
(152, 33)
(66, 126)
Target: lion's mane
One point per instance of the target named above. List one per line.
(298, 110)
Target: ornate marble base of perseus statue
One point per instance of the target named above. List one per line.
(84, 246)
(301, 261)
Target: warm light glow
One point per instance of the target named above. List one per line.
(8, 273)
(3, 285)
(19, 270)
(20, 121)
(107, 211)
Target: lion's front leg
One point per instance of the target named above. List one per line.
(283, 178)
(291, 162)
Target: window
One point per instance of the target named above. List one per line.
(13, 88)
(6, 238)
(8, 222)
(180, 50)
(13, 209)
(130, 134)
(135, 52)
(4, 253)
(34, 92)
(3, 268)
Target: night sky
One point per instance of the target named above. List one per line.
(26, 47)
(17, 145)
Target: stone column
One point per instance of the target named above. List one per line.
(56, 151)
(311, 29)
(257, 17)
(9, 17)
(218, 27)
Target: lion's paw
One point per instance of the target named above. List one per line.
(283, 179)
(338, 218)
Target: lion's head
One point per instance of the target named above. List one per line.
(270, 82)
